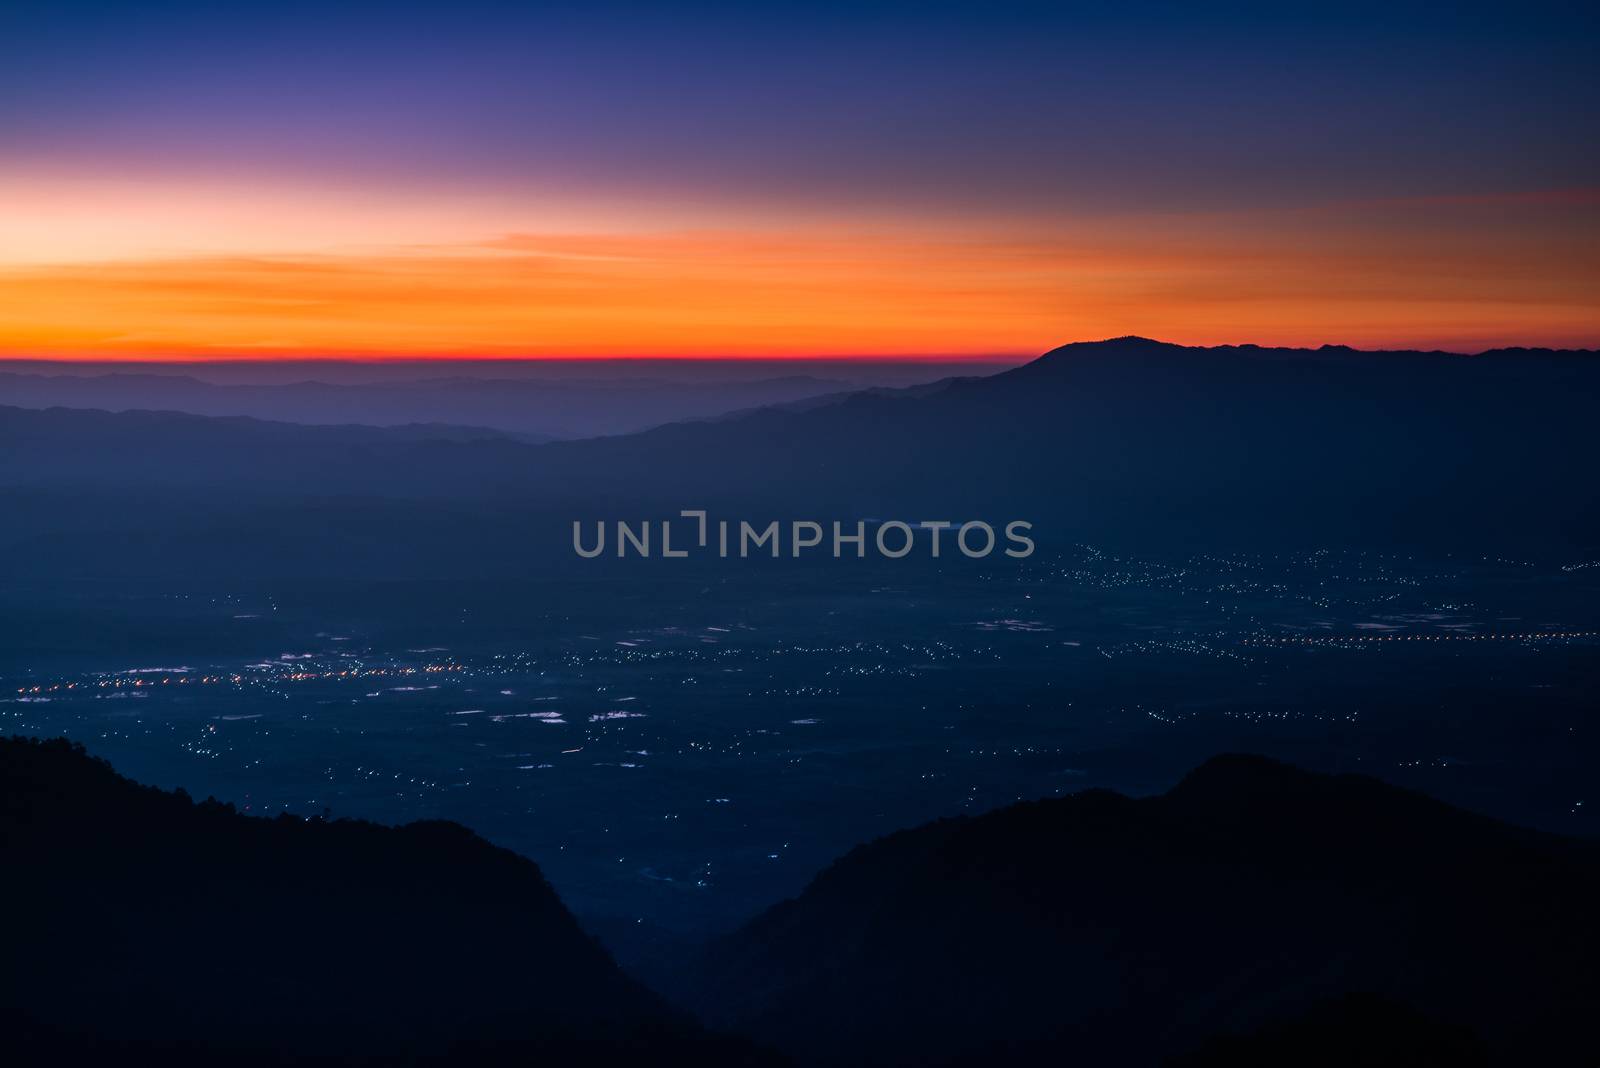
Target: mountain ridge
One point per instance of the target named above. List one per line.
(546, 408)
(1136, 343)
(1252, 912)
(1144, 450)
(1126, 930)
(196, 932)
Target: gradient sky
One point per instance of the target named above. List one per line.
(216, 180)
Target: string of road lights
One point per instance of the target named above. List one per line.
(1365, 639)
(236, 678)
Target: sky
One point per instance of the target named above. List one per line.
(203, 181)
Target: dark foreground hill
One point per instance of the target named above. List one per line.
(141, 926)
(1325, 919)
(1254, 915)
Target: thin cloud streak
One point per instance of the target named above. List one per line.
(741, 293)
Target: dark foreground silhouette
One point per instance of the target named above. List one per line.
(1256, 914)
(143, 926)
(1336, 917)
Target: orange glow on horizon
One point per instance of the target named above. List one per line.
(229, 278)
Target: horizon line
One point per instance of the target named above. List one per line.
(996, 357)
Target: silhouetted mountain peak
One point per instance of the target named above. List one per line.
(1128, 345)
(1108, 360)
(1312, 815)
(1240, 774)
(1126, 930)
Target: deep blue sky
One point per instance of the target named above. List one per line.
(943, 104)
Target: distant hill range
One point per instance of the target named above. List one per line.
(540, 408)
(1128, 440)
(1255, 914)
